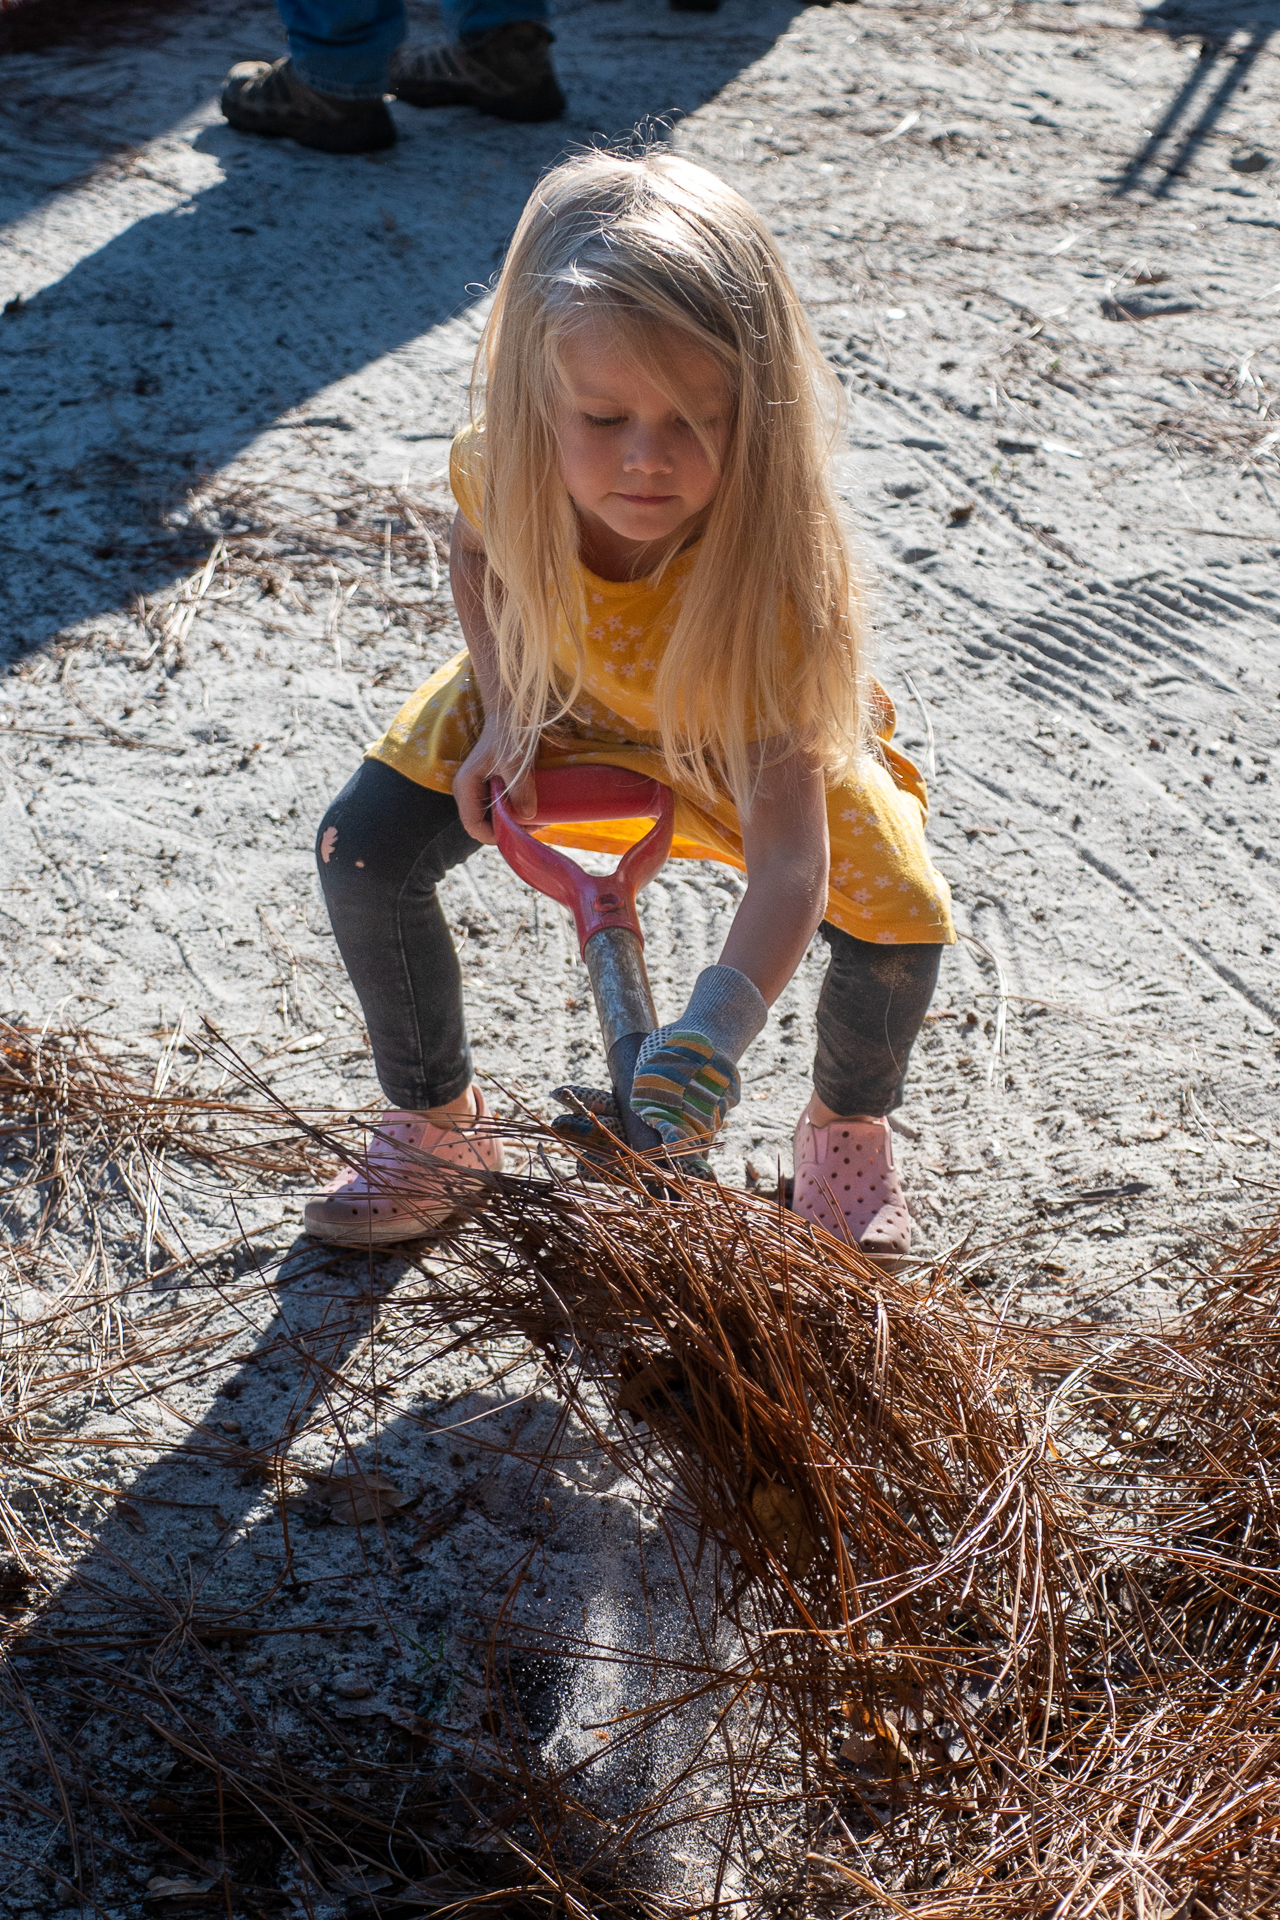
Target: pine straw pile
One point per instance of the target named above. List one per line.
(981, 1617)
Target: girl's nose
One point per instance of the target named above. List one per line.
(647, 452)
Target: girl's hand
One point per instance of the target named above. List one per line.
(684, 1087)
(686, 1076)
(492, 757)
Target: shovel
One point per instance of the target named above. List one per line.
(603, 905)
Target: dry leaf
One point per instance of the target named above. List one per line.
(126, 1511)
(871, 1734)
(402, 1717)
(781, 1518)
(362, 1880)
(354, 1498)
(652, 1389)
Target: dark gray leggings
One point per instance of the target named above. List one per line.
(384, 846)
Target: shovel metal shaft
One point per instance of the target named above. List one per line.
(603, 905)
(624, 1006)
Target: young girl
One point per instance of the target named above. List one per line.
(649, 570)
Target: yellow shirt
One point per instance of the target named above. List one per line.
(883, 885)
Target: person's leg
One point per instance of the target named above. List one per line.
(328, 94)
(342, 47)
(871, 1008)
(463, 18)
(382, 848)
(497, 59)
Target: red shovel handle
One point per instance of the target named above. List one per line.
(569, 794)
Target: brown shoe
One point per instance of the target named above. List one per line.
(506, 72)
(271, 100)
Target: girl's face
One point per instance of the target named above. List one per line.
(629, 455)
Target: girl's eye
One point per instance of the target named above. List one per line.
(604, 420)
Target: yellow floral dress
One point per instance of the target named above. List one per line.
(883, 885)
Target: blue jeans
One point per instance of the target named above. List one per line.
(342, 47)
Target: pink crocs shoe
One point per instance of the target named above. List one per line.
(393, 1196)
(846, 1182)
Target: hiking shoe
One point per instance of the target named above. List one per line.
(403, 1189)
(506, 72)
(271, 100)
(846, 1182)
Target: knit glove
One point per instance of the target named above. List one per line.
(686, 1076)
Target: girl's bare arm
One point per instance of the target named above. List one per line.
(788, 855)
(493, 752)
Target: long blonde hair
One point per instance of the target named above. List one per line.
(656, 243)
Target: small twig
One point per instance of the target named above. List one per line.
(928, 726)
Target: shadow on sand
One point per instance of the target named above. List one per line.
(241, 1692)
(1233, 36)
(162, 354)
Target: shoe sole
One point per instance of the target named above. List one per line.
(891, 1262)
(355, 1231)
(374, 137)
(371, 1233)
(525, 109)
(887, 1262)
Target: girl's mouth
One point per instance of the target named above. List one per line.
(647, 499)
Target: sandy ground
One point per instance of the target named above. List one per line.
(1031, 241)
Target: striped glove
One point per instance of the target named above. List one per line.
(686, 1076)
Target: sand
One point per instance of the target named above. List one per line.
(229, 372)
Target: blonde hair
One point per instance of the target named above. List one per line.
(655, 243)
